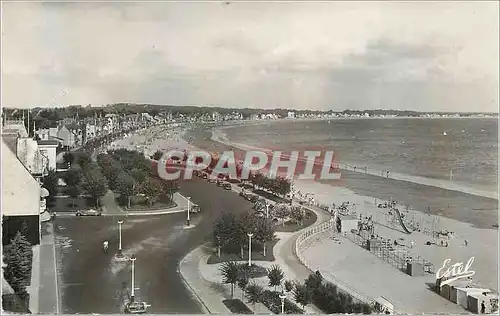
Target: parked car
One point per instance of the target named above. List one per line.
(220, 182)
(253, 198)
(91, 212)
(204, 175)
(212, 180)
(228, 186)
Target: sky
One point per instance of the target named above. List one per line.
(424, 56)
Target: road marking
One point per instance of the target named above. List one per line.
(55, 272)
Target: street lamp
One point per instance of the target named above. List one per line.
(132, 293)
(218, 246)
(120, 238)
(282, 296)
(188, 210)
(267, 210)
(250, 249)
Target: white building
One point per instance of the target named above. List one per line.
(291, 115)
(47, 149)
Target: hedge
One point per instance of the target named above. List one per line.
(272, 301)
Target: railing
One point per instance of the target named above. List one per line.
(308, 235)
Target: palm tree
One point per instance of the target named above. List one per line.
(242, 282)
(254, 293)
(230, 273)
(275, 275)
(302, 295)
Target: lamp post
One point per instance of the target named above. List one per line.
(188, 210)
(132, 293)
(120, 238)
(267, 210)
(282, 296)
(250, 249)
(218, 246)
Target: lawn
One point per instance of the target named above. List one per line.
(138, 203)
(291, 226)
(65, 204)
(257, 254)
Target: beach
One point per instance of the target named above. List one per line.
(450, 211)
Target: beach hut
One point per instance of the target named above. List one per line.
(347, 223)
(489, 299)
(463, 294)
(449, 291)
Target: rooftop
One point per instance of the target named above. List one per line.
(48, 142)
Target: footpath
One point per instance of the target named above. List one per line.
(205, 282)
(48, 291)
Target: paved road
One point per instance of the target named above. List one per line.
(91, 283)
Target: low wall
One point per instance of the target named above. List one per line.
(301, 244)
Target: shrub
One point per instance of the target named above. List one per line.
(272, 301)
(236, 306)
(252, 272)
(330, 301)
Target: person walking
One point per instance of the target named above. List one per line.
(483, 308)
(465, 242)
(105, 246)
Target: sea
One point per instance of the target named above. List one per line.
(447, 153)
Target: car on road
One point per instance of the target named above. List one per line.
(212, 180)
(220, 183)
(91, 212)
(227, 186)
(194, 208)
(204, 175)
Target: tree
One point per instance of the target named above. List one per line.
(264, 231)
(224, 229)
(50, 182)
(152, 189)
(157, 155)
(94, 183)
(74, 192)
(230, 273)
(83, 159)
(73, 176)
(281, 211)
(139, 175)
(242, 281)
(125, 186)
(297, 215)
(275, 275)
(254, 293)
(169, 187)
(18, 258)
(302, 295)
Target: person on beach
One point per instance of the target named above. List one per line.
(366, 169)
(465, 243)
(387, 174)
(483, 308)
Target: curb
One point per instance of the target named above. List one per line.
(153, 213)
(205, 307)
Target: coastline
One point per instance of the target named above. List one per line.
(377, 187)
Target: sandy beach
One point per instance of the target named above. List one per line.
(482, 242)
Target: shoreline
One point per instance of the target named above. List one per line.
(218, 135)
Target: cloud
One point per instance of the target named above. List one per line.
(422, 56)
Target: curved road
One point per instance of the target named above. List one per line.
(89, 281)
